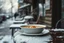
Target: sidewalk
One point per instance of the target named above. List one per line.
(6, 32)
(4, 27)
(6, 23)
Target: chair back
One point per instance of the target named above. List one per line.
(57, 36)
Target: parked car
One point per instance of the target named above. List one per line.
(1, 19)
(7, 16)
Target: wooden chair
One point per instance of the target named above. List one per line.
(57, 37)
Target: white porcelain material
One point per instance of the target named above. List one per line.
(33, 30)
(45, 31)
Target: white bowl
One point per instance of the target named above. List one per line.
(39, 28)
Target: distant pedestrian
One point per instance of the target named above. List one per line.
(15, 15)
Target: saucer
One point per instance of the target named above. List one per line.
(45, 31)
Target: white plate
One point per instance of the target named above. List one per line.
(45, 31)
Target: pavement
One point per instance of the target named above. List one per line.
(4, 27)
(5, 32)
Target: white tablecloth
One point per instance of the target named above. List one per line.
(31, 39)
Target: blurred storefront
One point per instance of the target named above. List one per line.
(8, 6)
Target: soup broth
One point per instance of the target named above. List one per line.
(32, 26)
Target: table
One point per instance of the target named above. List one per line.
(16, 26)
(31, 39)
(19, 22)
(25, 5)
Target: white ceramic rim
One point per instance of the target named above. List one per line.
(43, 26)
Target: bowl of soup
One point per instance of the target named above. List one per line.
(33, 28)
